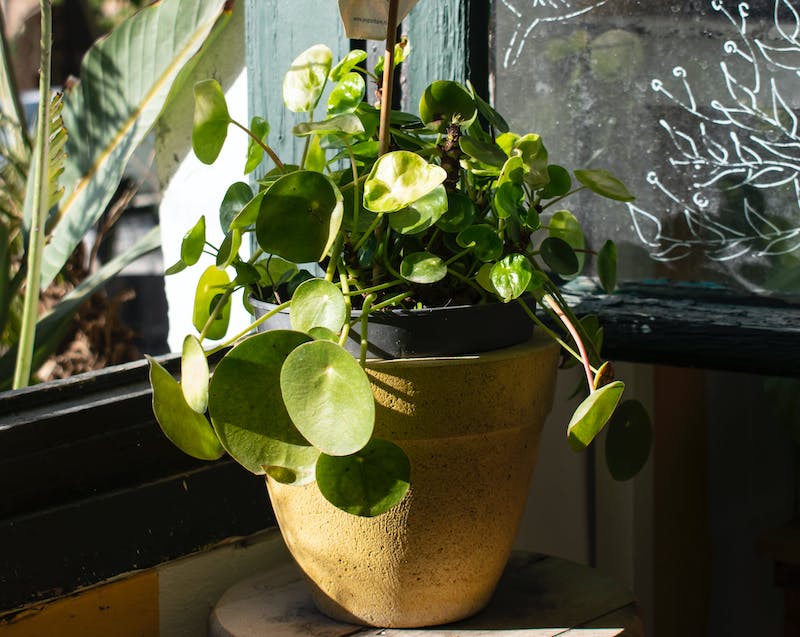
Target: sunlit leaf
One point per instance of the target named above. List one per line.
(255, 152)
(592, 415)
(347, 64)
(318, 303)
(511, 275)
(346, 123)
(398, 179)
(347, 95)
(304, 82)
(423, 267)
(194, 374)
(185, 428)
(193, 242)
(445, 102)
(328, 397)
(211, 119)
(422, 214)
(210, 287)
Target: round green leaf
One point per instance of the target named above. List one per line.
(347, 95)
(211, 121)
(210, 287)
(559, 256)
(179, 266)
(560, 182)
(507, 200)
(484, 241)
(236, 197)
(185, 428)
(487, 152)
(304, 82)
(422, 214)
(604, 183)
(229, 249)
(299, 217)
(194, 374)
(398, 179)
(248, 214)
(367, 483)
(564, 225)
(534, 156)
(445, 102)
(592, 415)
(345, 124)
(246, 273)
(629, 440)
(513, 171)
(460, 213)
(423, 267)
(347, 63)
(318, 303)
(193, 242)
(511, 276)
(255, 152)
(323, 334)
(607, 266)
(328, 397)
(248, 413)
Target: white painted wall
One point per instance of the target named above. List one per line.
(191, 188)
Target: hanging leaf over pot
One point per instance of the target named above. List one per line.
(367, 483)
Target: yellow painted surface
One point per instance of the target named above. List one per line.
(124, 608)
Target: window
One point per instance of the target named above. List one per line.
(693, 103)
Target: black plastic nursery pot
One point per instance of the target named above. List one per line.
(441, 331)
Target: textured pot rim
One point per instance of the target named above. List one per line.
(537, 341)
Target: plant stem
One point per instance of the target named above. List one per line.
(584, 357)
(345, 285)
(388, 78)
(390, 301)
(561, 198)
(248, 329)
(27, 337)
(376, 288)
(365, 309)
(368, 233)
(267, 148)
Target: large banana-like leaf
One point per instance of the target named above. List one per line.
(52, 327)
(125, 81)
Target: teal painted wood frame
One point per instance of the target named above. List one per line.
(278, 30)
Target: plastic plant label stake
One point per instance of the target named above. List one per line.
(366, 19)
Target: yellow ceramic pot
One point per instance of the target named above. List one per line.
(471, 427)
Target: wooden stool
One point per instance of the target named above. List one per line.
(538, 596)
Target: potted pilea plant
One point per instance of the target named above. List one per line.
(398, 484)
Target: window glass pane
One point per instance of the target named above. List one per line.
(693, 103)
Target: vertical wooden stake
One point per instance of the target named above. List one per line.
(388, 77)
